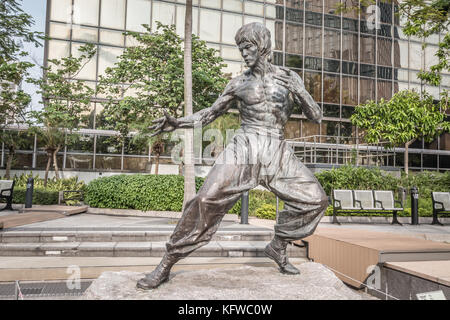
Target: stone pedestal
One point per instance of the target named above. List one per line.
(315, 282)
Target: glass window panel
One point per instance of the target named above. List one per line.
(433, 91)
(86, 12)
(310, 129)
(231, 53)
(165, 13)
(194, 2)
(332, 44)
(331, 88)
(254, 8)
(385, 30)
(107, 58)
(292, 129)
(294, 38)
(270, 11)
(367, 70)
(384, 72)
(386, 11)
(313, 18)
(413, 76)
(211, 4)
(250, 19)
(313, 63)
(210, 25)
(113, 14)
(384, 52)
(112, 37)
(400, 86)
(401, 74)
(349, 67)
(232, 5)
(350, 24)
(59, 30)
(350, 46)
(367, 87)
(347, 111)
(430, 57)
(294, 15)
(230, 25)
(294, 61)
(332, 21)
(313, 84)
(85, 34)
(384, 90)
(58, 49)
(331, 6)
(415, 55)
(233, 69)
(313, 5)
(350, 90)
(295, 4)
(61, 10)
(181, 14)
(89, 70)
(331, 65)
(277, 35)
(138, 13)
(401, 54)
(367, 49)
(278, 58)
(131, 41)
(313, 37)
(331, 110)
(430, 160)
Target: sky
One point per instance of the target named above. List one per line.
(37, 9)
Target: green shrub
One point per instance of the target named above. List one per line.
(266, 211)
(140, 192)
(257, 198)
(40, 196)
(44, 195)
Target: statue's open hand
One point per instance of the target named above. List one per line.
(287, 80)
(164, 124)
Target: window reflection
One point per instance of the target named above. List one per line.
(332, 44)
(331, 88)
(349, 90)
(367, 90)
(294, 38)
(313, 42)
(367, 49)
(384, 52)
(113, 14)
(350, 46)
(313, 84)
(384, 90)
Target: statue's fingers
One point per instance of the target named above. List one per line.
(288, 71)
(158, 120)
(285, 80)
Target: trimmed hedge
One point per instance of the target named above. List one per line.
(140, 192)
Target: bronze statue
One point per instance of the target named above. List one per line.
(258, 154)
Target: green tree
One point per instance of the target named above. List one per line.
(66, 103)
(148, 80)
(404, 118)
(14, 30)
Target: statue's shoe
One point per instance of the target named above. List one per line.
(151, 282)
(280, 257)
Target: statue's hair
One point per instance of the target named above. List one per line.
(257, 34)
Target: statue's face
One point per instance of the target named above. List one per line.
(250, 53)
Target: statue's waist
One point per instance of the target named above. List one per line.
(263, 130)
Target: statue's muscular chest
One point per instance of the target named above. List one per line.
(253, 91)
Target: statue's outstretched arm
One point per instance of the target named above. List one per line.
(220, 106)
(301, 97)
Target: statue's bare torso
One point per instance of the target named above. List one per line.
(262, 102)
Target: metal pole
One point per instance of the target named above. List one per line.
(16, 290)
(29, 193)
(278, 203)
(414, 206)
(244, 208)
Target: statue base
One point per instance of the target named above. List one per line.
(315, 282)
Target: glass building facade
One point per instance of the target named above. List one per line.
(344, 59)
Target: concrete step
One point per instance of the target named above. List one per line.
(139, 249)
(120, 236)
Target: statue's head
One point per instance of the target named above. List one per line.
(253, 40)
